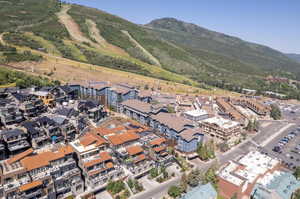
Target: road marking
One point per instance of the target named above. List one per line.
(264, 143)
(265, 124)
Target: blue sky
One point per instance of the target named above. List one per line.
(275, 23)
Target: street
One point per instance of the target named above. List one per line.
(265, 136)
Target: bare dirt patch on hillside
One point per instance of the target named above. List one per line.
(146, 53)
(95, 34)
(71, 25)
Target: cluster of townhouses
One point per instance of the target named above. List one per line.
(54, 142)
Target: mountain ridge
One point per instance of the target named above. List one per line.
(166, 48)
(294, 56)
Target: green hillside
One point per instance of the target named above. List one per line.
(166, 48)
(293, 56)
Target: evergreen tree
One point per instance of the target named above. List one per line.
(275, 112)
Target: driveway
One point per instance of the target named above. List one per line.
(103, 195)
(148, 183)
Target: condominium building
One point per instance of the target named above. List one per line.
(196, 115)
(226, 107)
(16, 140)
(49, 174)
(158, 146)
(95, 160)
(253, 104)
(222, 129)
(137, 161)
(140, 111)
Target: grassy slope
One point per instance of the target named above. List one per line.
(18, 13)
(258, 57)
(199, 66)
(50, 48)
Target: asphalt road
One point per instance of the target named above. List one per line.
(239, 150)
(159, 191)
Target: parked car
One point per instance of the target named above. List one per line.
(277, 149)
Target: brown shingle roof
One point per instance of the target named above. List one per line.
(133, 150)
(123, 138)
(66, 150)
(30, 185)
(228, 108)
(171, 120)
(44, 159)
(227, 189)
(91, 138)
(103, 156)
(140, 158)
(145, 93)
(157, 141)
(189, 134)
(20, 156)
(108, 165)
(34, 162)
(159, 149)
(106, 131)
(138, 105)
(121, 90)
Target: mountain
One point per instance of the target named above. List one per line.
(257, 58)
(167, 48)
(295, 57)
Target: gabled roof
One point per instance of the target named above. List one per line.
(140, 158)
(89, 104)
(66, 88)
(34, 162)
(19, 156)
(46, 120)
(43, 159)
(30, 126)
(138, 105)
(171, 121)
(30, 185)
(189, 134)
(145, 93)
(103, 156)
(65, 111)
(106, 131)
(21, 96)
(108, 165)
(159, 149)
(66, 150)
(133, 150)
(157, 141)
(11, 133)
(123, 138)
(91, 138)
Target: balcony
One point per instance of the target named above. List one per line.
(141, 168)
(65, 188)
(15, 184)
(69, 174)
(20, 145)
(40, 175)
(33, 194)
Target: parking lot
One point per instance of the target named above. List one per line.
(284, 147)
(290, 112)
